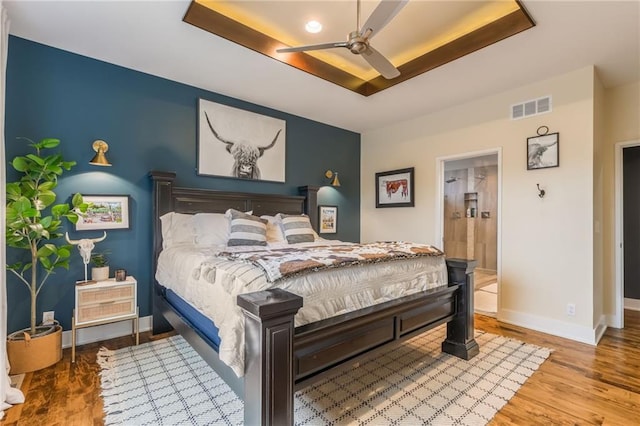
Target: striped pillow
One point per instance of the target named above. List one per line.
(296, 228)
(246, 230)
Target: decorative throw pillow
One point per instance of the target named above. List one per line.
(274, 230)
(212, 229)
(296, 228)
(177, 228)
(246, 229)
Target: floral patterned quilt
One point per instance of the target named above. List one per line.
(286, 262)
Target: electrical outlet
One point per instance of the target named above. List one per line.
(48, 317)
(571, 309)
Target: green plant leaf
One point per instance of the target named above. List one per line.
(13, 190)
(15, 266)
(64, 252)
(67, 165)
(47, 186)
(59, 210)
(30, 212)
(45, 262)
(46, 221)
(47, 198)
(62, 264)
(21, 164)
(72, 217)
(46, 250)
(55, 169)
(49, 143)
(36, 159)
(21, 204)
(76, 201)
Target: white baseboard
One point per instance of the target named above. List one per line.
(601, 328)
(567, 330)
(613, 321)
(632, 304)
(104, 332)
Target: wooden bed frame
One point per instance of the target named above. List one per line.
(281, 358)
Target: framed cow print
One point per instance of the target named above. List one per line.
(395, 188)
(240, 144)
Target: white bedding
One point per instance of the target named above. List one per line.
(210, 284)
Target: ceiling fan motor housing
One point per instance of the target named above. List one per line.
(357, 43)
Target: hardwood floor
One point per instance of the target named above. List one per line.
(578, 384)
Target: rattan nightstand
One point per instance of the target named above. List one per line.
(104, 302)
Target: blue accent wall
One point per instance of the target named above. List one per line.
(150, 123)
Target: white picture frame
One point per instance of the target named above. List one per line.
(104, 212)
(327, 219)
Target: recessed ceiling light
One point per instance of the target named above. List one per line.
(313, 27)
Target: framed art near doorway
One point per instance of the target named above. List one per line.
(395, 188)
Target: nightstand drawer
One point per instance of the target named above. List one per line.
(97, 312)
(106, 294)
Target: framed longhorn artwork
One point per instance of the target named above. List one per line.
(240, 144)
(395, 188)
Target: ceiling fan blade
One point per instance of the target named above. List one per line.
(381, 16)
(380, 63)
(313, 47)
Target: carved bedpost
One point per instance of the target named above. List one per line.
(268, 380)
(162, 187)
(460, 330)
(310, 203)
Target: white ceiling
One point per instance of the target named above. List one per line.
(150, 36)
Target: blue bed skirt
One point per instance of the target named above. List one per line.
(203, 325)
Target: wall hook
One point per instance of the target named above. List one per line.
(541, 192)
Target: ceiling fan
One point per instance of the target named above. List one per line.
(358, 41)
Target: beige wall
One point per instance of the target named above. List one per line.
(622, 124)
(598, 186)
(547, 247)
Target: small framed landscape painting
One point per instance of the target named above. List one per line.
(104, 212)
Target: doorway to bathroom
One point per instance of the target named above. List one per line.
(470, 225)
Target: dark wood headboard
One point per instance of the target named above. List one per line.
(169, 198)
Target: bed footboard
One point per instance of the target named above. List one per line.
(268, 380)
(280, 358)
(460, 340)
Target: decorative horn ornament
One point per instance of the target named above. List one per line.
(85, 246)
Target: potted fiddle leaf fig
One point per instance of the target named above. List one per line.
(33, 224)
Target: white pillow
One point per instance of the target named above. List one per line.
(211, 229)
(177, 228)
(274, 231)
(246, 229)
(296, 228)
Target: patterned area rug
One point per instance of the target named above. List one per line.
(167, 383)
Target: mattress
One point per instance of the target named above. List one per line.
(210, 284)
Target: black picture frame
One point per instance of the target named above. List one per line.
(327, 219)
(105, 212)
(543, 152)
(395, 188)
(226, 134)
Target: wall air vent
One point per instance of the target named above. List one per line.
(531, 108)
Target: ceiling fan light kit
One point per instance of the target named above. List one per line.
(358, 40)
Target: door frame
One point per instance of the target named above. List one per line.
(439, 203)
(618, 316)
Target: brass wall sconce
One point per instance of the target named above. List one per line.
(100, 147)
(334, 176)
